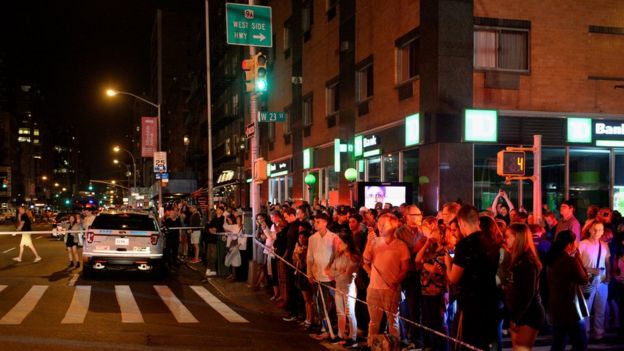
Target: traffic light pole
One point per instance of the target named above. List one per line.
(253, 186)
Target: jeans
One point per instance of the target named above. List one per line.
(413, 298)
(577, 334)
(433, 316)
(596, 305)
(388, 300)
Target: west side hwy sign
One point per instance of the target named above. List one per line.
(248, 25)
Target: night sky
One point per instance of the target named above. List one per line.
(75, 50)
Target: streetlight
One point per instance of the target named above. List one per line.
(112, 93)
(44, 178)
(116, 161)
(116, 148)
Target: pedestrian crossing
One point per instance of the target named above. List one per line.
(83, 303)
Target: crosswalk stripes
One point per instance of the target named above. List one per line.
(19, 312)
(130, 312)
(181, 313)
(223, 309)
(79, 307)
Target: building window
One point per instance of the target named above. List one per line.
(36, 132)
(307, 18)
(407, 61)
(271, 132)
(330, 9)
(501, 49)
(288, 123)
(235, 104)
(307, 111)
(364, 83)
(23, 139)
(36, 141)
(23, 131)
(332, 103)
(287, 37)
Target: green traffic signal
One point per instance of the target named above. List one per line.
(67, 202)
(90, 187)
(261, 85)
(4, 186)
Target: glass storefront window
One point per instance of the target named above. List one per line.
(391, 167)
(618, 188)
(410, 172)
(589, 179)
(374, 169)
(486, 182)
(280, 189)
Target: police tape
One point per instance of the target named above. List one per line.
(396, 314)
(41, 232)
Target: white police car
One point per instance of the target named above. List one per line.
(123, 240)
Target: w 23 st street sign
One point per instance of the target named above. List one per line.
(248, 25)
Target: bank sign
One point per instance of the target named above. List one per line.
(606, 133)
(278, 168)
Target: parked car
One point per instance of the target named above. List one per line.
(123, 240)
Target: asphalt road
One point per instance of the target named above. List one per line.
(44, 306)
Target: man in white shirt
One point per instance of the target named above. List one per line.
(321, 247)
(386, 260)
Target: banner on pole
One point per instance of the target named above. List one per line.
(149, 136)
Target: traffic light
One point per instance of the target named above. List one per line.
(260, 67)
(248, 68)
(510, 163)
(260, 172)
(90, 187)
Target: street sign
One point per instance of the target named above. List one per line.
(160, 162)
(165, 176)
(158, 177)
(250, 130)
(248, 25)
(271, 116)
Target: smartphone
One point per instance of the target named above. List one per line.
(451, 253)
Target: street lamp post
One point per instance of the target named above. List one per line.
(117, 149)
(112, 92)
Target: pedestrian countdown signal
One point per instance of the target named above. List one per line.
(510, 163)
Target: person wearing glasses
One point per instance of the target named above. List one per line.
(411, 234)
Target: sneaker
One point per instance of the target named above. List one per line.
(210, 273)
(195, 260)
(17, 259)
(351, 344)
(337, 341)
(289, 318)
(38, 259)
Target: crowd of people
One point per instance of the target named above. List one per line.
(344, 273)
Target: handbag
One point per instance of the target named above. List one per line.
(384, 342)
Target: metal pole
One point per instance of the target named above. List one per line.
(537, 178)
(161, 211)
(253, 108)
(208, 110)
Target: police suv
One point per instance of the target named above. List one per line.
(123, 240)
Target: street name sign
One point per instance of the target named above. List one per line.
(271, 116)
(248, 25)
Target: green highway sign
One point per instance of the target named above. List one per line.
(271, 116)
(248, 25)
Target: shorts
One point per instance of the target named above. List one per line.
(26, 240)
(70, 241)
(195, 235)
